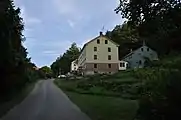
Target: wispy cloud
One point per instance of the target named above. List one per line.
(83, 12)
(71, 23)
(29, 20)
(66, 7)
(34, 20)
(50, 53)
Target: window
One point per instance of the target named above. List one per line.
(109, 65)
(126, 65)
(74, 64)
(106, 42)
(98, 41)
(95, 65)
(109, 49)
(148, 49)
(140, 62)
(95, 49)
(109, 57)
(95, 57)
(122, 64)
(141, 49)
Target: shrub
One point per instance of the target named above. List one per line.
(161, 96)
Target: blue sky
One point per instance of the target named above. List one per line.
(52, 25)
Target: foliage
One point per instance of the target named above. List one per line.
(45, 72)
(16, 69)
(158, 88)
(63, 63)
(160, 96)
(120, 84)
(126, 37)
(156, 21)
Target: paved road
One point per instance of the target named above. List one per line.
(46, 102)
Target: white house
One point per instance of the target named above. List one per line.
(74, 66)
(137, 58)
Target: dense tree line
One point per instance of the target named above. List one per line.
(63, 63)
(158, 22)
(126, 37)
(45, 72)
(16, 68)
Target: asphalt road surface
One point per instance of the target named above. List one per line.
(46, 102)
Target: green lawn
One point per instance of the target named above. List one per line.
(105, 108)
(6, 106)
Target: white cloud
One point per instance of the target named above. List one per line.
(65, 6)
(55, 48)
(71, 23)
(51, 53)
(48, 52)
(83, 12)
(33, 21)
(69, 9)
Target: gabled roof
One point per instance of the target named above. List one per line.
(128, 54)
(96, 39)
(136, 50)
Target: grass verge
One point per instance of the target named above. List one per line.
(99, 103)
(104, 108)
(6, 106)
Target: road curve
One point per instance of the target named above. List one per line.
(46, 102)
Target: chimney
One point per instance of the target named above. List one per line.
(101, 33)
(131, 50)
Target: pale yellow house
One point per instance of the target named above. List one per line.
(99, 55)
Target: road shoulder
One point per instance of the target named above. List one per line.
(6, 106)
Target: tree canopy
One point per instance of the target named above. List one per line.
(16, 68)
(157, 21)
(63, 63)
(126, 37)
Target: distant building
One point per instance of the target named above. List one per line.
(137, 58)
(99, 55)
(74, 66)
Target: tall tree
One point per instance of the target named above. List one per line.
(45, 72)
(156, 20)
(14, 64)
(62, 64)
(126, 37)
